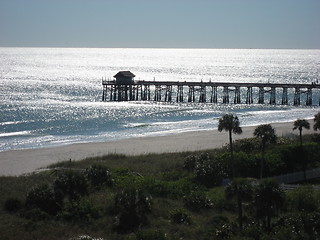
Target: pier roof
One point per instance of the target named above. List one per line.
(126, 74)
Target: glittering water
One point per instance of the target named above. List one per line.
(53, 96)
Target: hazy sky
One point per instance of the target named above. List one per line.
(162, 23)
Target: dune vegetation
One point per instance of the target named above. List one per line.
(189, 195)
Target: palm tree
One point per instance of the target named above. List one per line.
(241, 190)
(266, 134)
(269, 199)
(300, 124)
(316, 125)
(231, 124)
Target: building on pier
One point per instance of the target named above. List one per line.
(124, 88)
(124, 78)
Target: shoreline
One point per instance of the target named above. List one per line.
(18, 162)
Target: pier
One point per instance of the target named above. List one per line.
(210, 92)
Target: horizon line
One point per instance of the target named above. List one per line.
(217, 48)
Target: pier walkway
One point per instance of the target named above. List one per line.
(213, 92)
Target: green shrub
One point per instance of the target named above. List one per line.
(80, 211)
(99, 176)
(209, 172)
(131, 206)
(179, 216)
(247, 145)
(197, 200)
(190, 162)
(45, 199)
(35, 214)
(303, 199)
(156, 188)
(12, 205)
(182, 187)
(85, 237)
(150, 235)
(246, 165)
(298, 225)
(71, 184)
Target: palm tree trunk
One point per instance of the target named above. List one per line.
(231, 151)
(300, 130)
(240, 212)
(302, 156)
(262, 160)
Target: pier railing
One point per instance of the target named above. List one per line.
(213, 92)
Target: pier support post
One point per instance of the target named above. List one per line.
(273, 95)
(309, 97)
(261, 95)
(284, 96)
(126, 88)
(137, 92)
(191, 97)
(225, 94)
(168, 94)
(203, 94)
(111, 92)
(157, 93)
(103, 94)
(180, 93)
(249, 99)
(296, 100)
(237, 97)
(115, 92)
(214, 94)
(143, 92)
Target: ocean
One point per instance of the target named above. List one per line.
(53, 96)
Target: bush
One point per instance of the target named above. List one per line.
(197, 200)
(156, 187)
(182, 187)
(303, 199)
(179, 216)
(71, 184)
(209, 172)
(150, 235)
(45, 199)
(131, 206)
(298, 225)
(245, 164)
(190, 162)
(80, 211)
(99, 176)
(85, 237)
(12, 205)
(247, 145)
(35, 214)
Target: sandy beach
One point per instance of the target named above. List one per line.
(17, 162)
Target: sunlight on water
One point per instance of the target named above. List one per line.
(53, 96)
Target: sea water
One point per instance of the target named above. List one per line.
(52, 96)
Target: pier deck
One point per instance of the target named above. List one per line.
(213, 92)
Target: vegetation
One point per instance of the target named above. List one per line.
(231, 124)
(168, 196)
(266, 134)
(300, 124)
(316, 119)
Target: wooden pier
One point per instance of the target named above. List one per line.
(211, 92)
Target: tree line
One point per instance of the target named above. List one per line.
(265, 133)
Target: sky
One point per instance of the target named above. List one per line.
(161, 24)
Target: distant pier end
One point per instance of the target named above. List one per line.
(125, 88)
